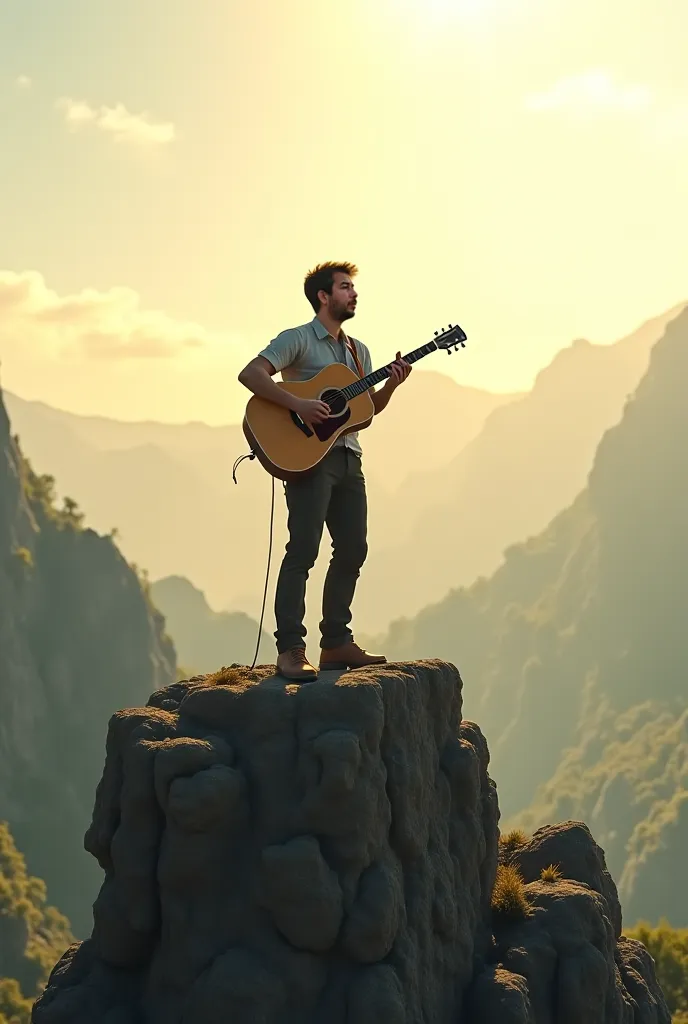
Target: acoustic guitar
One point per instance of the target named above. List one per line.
(288, 447)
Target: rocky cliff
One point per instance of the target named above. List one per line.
(330, 854)
(79, 638)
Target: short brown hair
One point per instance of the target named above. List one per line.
(321, 278)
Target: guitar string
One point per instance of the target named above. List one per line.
(365, 383)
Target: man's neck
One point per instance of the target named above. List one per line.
(333, 326)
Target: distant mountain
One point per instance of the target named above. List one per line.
(574, 652)
(67, 597)
(400, 441)
(168, 488)
(168, 511)
(529, 461)
(204, 639)
(459, 413)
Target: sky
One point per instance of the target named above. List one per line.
(172, 168)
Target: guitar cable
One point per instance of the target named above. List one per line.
(249, 455)
(252, 455)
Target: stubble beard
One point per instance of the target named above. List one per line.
(344, 312)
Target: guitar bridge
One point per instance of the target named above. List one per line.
(298, 422)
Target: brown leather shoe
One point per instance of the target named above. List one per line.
(349, 656)
(293, 664)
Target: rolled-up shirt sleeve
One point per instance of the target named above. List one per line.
(285, 349)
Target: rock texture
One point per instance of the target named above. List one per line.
(326, 854)
(276, 853)
(567, 963)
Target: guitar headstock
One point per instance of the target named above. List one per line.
(450, 339)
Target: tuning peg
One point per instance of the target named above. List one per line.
(436, 333)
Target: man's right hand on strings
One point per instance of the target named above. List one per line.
(311, 410)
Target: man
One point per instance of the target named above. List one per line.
(334, 492)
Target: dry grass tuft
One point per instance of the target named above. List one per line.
(551, 874)
(231, 675)
(509, 899)
(510, 843)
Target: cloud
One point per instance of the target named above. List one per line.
(117, 121)
(76, 112)
(23, 82)
(92, 325)
(592, 93)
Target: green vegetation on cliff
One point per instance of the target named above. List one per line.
(33, 935)
(574, 655)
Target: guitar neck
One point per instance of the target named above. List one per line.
(365, 383)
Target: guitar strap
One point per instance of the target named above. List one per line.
(351, 345)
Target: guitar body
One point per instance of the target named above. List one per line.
(285, 446)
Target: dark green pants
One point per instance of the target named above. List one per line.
(334, 494)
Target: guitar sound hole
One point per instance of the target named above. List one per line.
(335, 399)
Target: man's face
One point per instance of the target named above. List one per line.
(341, 304)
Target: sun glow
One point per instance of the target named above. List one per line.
(462, 8)
(431, 15)
(446, 10)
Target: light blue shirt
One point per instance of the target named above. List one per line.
(300, 352)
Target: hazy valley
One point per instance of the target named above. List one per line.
(168, 489)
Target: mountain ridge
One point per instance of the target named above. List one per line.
(494, 494)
